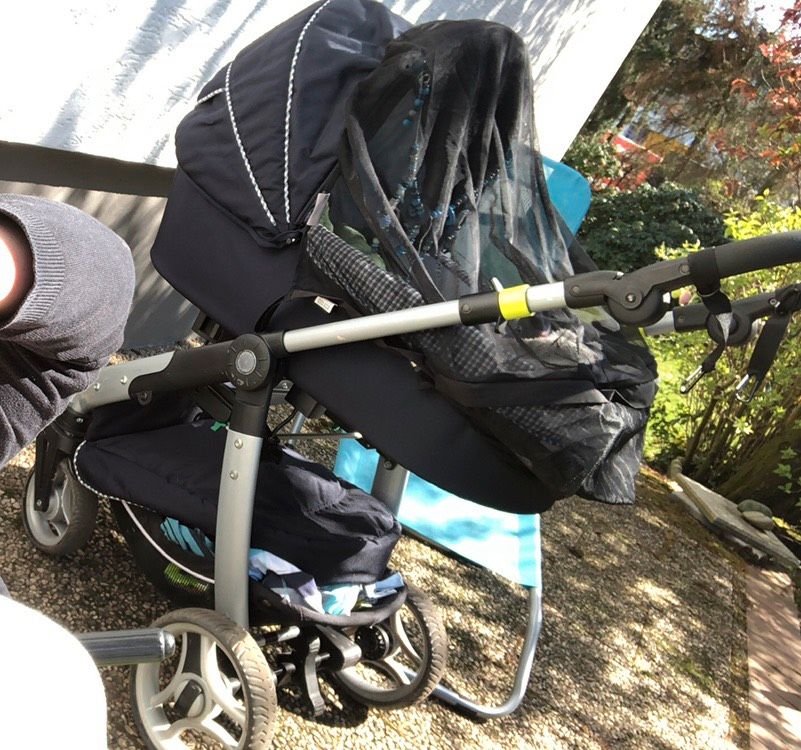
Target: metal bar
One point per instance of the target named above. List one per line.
(441, 314)
(240, 470)
(291, 437)
(389, 484)
(544, 297)
(522, 674)
(114, 381)
(294, 429)
(128, 646)
(438, 315)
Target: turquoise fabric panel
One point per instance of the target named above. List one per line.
(506, 543)
(569, 191)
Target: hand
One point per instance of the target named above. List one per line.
(16, 267)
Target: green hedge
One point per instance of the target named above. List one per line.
(623, 229)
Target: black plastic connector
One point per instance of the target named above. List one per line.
(475, 309)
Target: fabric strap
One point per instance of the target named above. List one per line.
(705, 276)
(764, 353)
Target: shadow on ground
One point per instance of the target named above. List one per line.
(643, 644)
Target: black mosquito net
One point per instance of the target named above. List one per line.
(442, 194)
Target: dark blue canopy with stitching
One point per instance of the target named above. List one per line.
(254, 152)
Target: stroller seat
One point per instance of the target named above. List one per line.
(328, 528)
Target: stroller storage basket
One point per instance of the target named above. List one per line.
(329, 529)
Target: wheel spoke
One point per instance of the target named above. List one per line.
(401, 638)
(219, 691)
(171, 733)
(171, 691)
(393, 669)
(220, 733)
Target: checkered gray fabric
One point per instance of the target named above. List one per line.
(591, 447)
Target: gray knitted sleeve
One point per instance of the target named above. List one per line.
(69, 324)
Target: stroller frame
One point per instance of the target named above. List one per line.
(249, 363)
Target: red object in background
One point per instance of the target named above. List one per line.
(640, 159)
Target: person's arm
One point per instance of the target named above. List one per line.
(16, 267)
(68, 287)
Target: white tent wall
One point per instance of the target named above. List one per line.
(112, 78)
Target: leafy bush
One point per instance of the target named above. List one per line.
(745, 450)
(594, 157)
(623, 230)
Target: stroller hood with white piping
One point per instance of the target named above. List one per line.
(255, 150)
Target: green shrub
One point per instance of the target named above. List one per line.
(744, 450)
(623, 230)
(594, 157)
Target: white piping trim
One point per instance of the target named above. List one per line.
(290, 91)
(241, 147)
(128, 510)
(210, 95)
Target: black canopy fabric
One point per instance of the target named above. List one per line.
(255, 150)
(443, 187)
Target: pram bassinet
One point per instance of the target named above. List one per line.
(553, 407)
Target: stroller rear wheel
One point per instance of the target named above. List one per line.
(218, 686)
(69, 520)
(403, 657)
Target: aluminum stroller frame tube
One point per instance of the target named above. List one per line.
(389, 484)
(240, 468)
(240, 471)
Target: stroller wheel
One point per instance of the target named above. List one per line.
(69, 520)
(403, 657)
(217, 687)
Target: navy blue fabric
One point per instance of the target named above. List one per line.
(303, 513)
(216, 261)
(376, 391)
(216, 236)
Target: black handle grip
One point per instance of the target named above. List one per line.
(757, 253)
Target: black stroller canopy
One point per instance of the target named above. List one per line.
(255, 150)
(440, 158)
(440, 193)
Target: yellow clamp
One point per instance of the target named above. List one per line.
(512, 302)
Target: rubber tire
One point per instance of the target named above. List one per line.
(258, 687)
(81, 525)
(433, 630)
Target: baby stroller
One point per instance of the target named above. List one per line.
(383, 241)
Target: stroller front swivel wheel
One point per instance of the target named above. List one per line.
(67, 523)
(403, 657)
(217, 686)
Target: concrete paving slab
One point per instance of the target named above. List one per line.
(774, 661)
(723, 515)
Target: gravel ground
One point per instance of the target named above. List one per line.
(643, 644)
